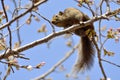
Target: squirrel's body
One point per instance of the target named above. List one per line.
(66, 19)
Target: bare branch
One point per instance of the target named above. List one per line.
(9, 30)
(99, 59)
(57, 64)
(16, 18)
(111, 63)
(17, 21)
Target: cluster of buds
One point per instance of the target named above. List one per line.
(14, 62)
(114, 34)
(29, 67)
(80, 2)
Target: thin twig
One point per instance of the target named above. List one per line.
(102, 44)
(100, 37)
(99, 59)
(57, 64)
(9, 30)
(15, 29)
(101, 2)
(93, 13)
(111, 63)
(46, 20)
(17, 21)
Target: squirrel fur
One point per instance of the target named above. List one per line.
(72, 16)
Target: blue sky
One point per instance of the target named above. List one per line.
(58, 47)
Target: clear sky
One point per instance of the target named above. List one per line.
(58, 48)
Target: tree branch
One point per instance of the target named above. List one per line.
(53, 35)
(99, 59)
(16, 18)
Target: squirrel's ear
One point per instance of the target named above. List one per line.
(60, 13)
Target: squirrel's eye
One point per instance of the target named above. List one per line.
(56, 16)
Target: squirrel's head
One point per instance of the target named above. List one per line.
(58, 19)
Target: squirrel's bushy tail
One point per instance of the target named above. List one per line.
(85, 56)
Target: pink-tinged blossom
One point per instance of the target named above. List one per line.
(29, 67)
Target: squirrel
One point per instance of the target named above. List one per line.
(72, 16)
